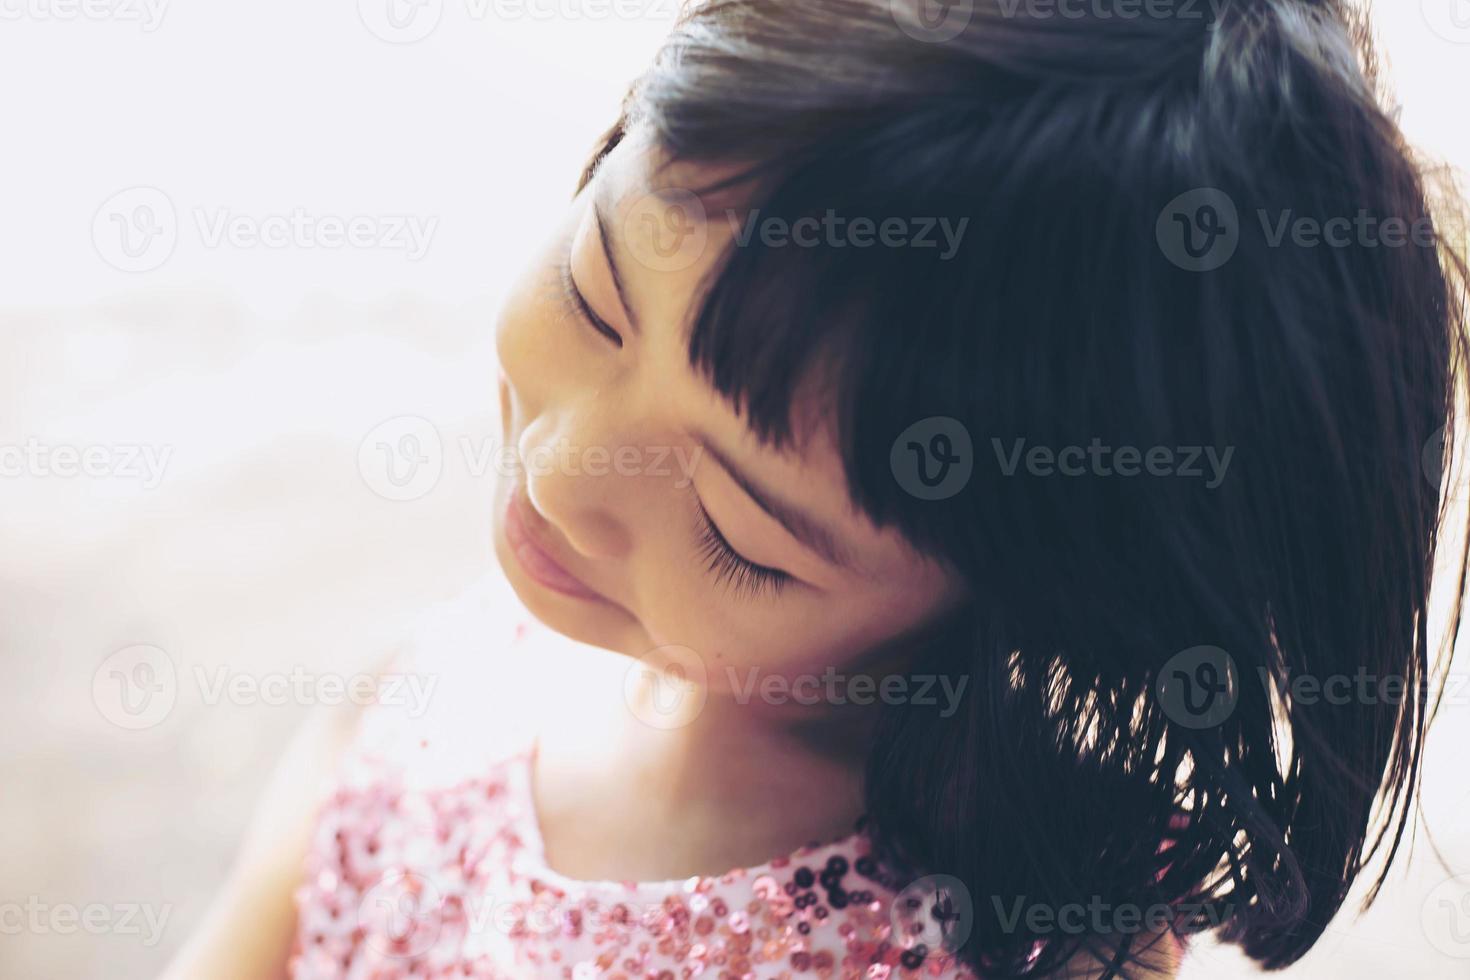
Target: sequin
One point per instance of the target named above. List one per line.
(451, 882)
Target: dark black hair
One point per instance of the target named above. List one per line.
(1076, 146)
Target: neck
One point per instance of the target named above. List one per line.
(653, 787)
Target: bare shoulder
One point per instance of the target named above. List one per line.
(248, 930)
(456, 692)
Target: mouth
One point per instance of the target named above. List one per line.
(521, 533)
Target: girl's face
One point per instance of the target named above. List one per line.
(644, 513)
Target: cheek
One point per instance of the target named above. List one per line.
(524, 334)
(797, 634)
(545, 353)
(539, 343)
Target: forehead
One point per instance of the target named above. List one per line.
(639, 168)
(669, 225)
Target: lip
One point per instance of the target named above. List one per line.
(534, 559)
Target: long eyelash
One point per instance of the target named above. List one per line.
(578, 302)
(732, 570)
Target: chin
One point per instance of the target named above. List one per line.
(595, 623)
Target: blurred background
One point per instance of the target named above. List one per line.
(244, 247)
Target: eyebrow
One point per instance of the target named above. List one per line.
(609, 253)
(802, 526)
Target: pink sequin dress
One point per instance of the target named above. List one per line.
(451, 881)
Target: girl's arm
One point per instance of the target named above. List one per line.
(247, 932)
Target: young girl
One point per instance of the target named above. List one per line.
(975, 424)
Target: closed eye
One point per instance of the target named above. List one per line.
(733, 569)
(579, 304)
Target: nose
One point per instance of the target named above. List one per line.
(566, 456)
